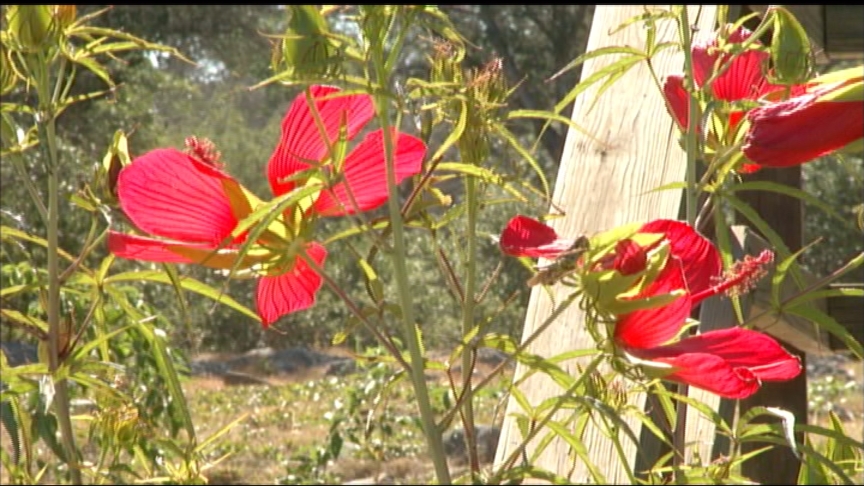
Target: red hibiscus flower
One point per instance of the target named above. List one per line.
(741, 78)
(827, 117)
(730, 362)
(192, 207)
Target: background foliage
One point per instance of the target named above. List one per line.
(160, 107)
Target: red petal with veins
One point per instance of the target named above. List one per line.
(730, 362)
(292, 291)
(167, 193)
(711, 373)
(741, 348)
(302, 143)
(744, 79)
(527, 237)
(699, 257)
(365, 174)
(649, 328)
(630, 257)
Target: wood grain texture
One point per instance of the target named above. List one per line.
(603, 182)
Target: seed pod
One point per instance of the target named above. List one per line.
(791, 54)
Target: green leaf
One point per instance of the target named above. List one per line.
(779, 276)
(25, 320)
(828, 323)
(579, 448)
(616, 69)
(9, 233)
(187, 283)
(177, 405)
(825, 294)
(529, 158)
(804, 196)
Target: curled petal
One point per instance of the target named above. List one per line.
(711, 373)
(677, 99)
(699, 257)
(301, 144)
(167, 193)
(798, 130)
(365, 174)
(148, 249)
(652, 327)
(292, 291)
(136, 247)
(741, 348)
(729, 362)
(527, 237)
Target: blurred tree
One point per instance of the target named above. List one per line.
(159, 101)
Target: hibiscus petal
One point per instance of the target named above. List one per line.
(677, 99)
(527, 237)
(365, 174)
(741, 348)
(699, 257)
(649, 328)
(292, 291)
(147, 249)
(301, 141)
(705, 59)
(744, 79)
(136, 247)
(630, 257)
(167, 193)
(709, 372)
(798, 130)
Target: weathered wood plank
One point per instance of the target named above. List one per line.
(784, 214)
(604, 182)
(844, 37)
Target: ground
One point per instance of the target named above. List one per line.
(291, 417)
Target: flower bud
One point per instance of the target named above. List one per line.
(64, 14)
(790, 49)
(306, 47)
(30, 26)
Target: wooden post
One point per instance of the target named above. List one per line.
(602, 183)
(783, 213)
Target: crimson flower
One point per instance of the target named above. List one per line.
(191, 207)
(742, 77)
(731, 362)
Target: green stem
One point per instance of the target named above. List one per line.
(690, 140)
(468, 318)
(399, 255)
(47, 128)
(412, 334)
(690, 143)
